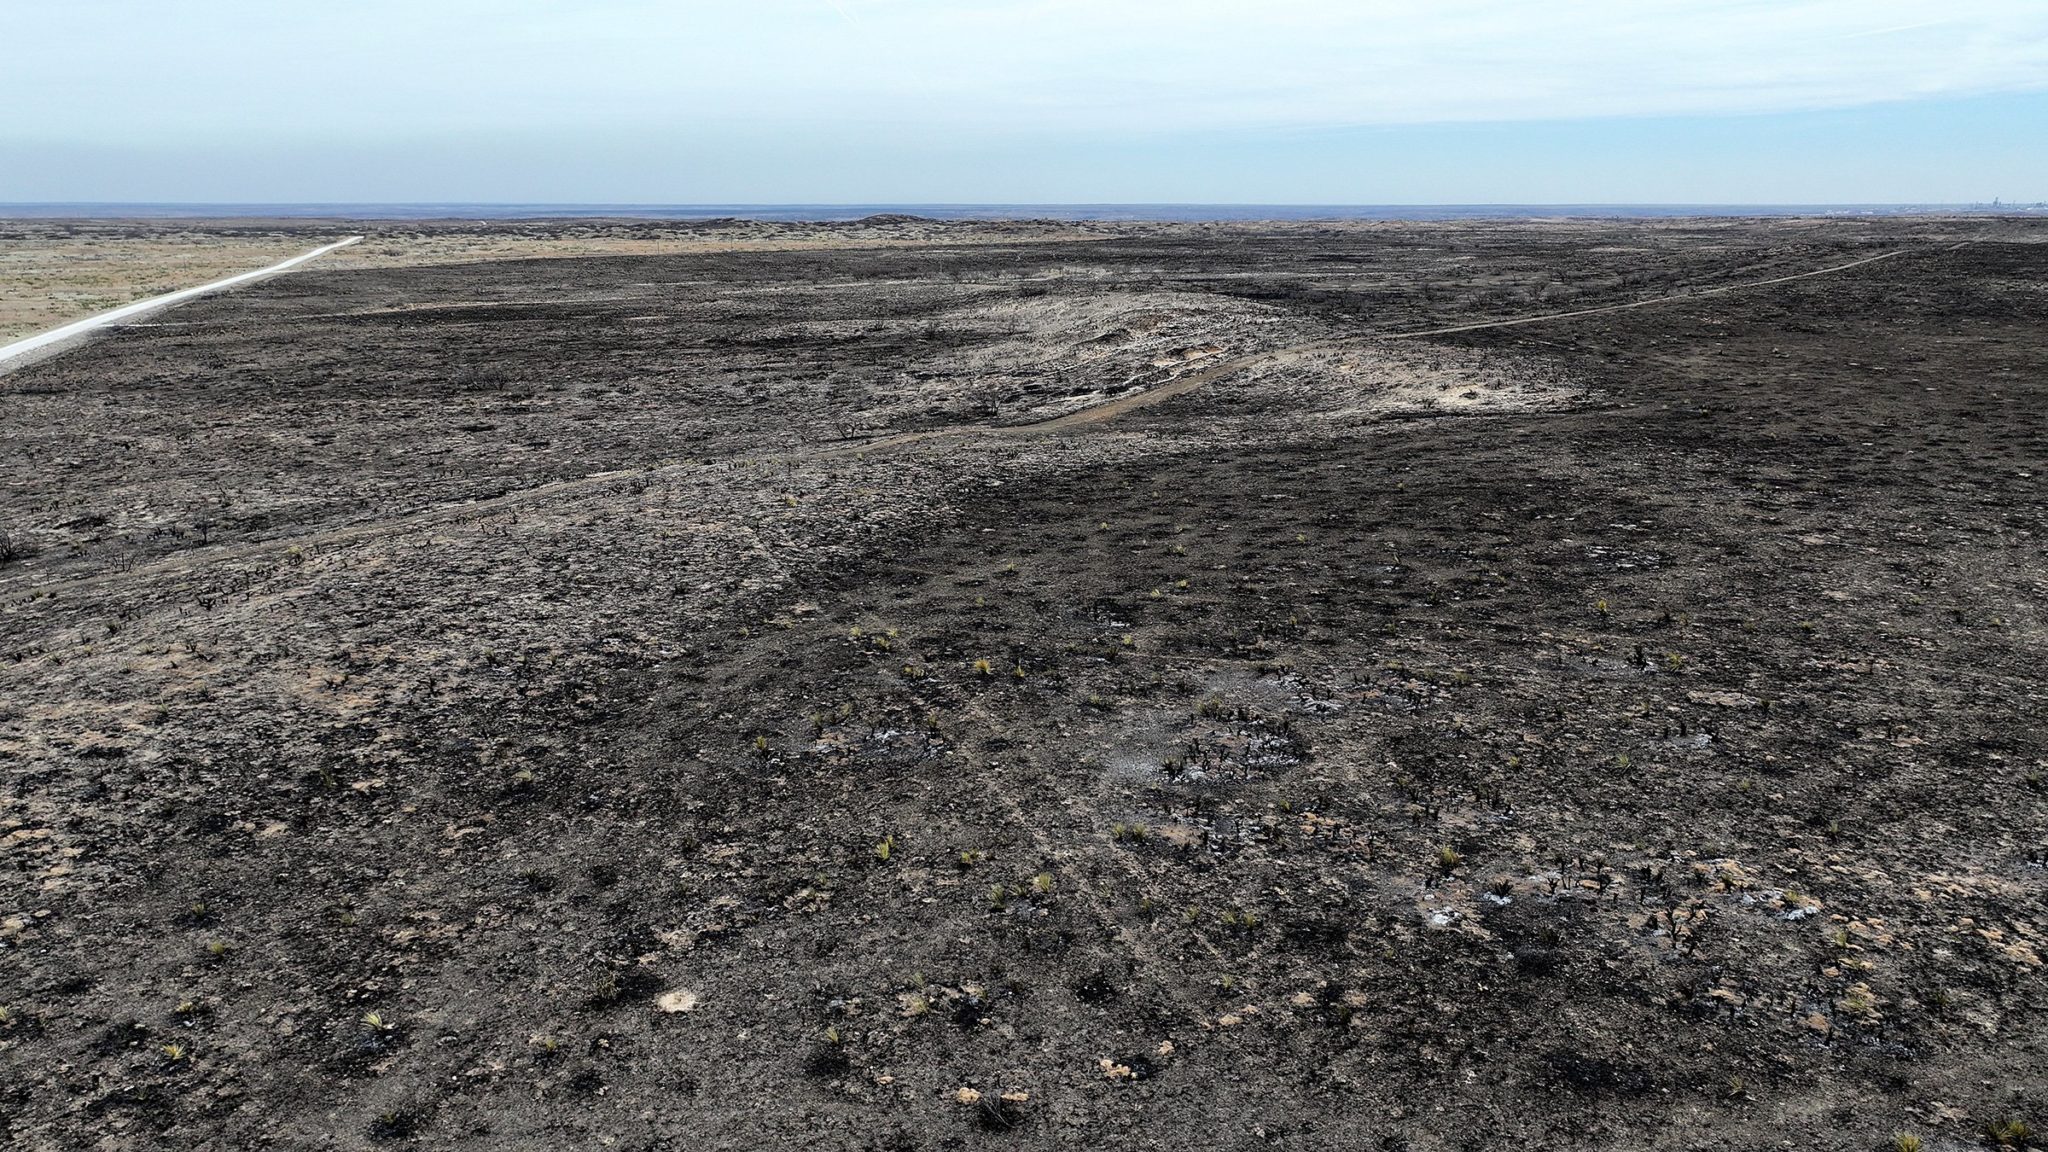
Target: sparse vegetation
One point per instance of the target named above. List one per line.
(2010, 1132)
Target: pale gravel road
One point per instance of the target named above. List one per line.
(17, 353)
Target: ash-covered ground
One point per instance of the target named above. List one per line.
(951, 686)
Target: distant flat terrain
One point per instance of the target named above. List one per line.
(901, 685)
(56, 271)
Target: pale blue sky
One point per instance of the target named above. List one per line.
(1283, 101)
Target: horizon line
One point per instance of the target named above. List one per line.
(1030, 203)
(843, 212)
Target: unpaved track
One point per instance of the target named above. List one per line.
(1093, 414)
(46, 344)
(1674, 298)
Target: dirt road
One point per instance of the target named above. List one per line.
(56, 339)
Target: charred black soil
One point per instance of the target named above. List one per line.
(1078, 692)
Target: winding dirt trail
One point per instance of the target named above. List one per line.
(1094, 414)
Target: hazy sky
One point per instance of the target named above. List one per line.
(1372, 101)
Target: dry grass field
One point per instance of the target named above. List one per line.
(51, 274)
(54, 272)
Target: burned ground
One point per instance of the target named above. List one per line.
(758, 699)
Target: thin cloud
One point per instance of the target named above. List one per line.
(231, 69)
(1900, 28)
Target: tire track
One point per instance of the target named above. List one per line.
(1094, 414)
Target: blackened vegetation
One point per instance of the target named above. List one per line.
(1619, 747)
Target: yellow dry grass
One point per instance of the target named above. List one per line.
(50, 280)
